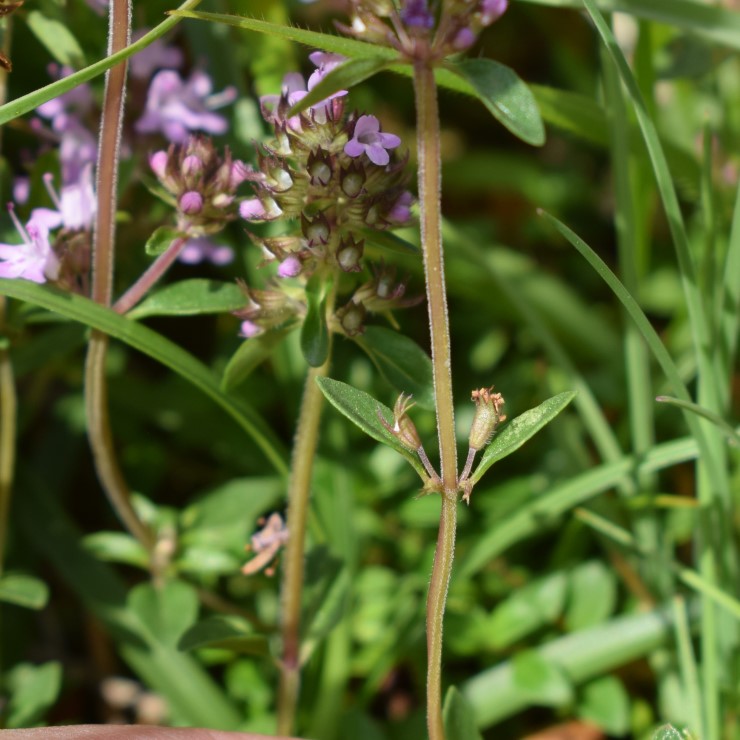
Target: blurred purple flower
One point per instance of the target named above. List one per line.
(416, 13)
(254, 209)
(289, 267)
(75, 205)
(156, 56)
(492, 10)
(202, 249)
(249, 329)
(32, 260)
(66, 109)
(99, 6)
(175, 107)
(368, 139)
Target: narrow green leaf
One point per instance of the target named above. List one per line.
(190, 297)
(156, 346)
(167, 610)
(458, 716)
(390, 241)
(325, 41)
(227, 632)
(250, 355)
(713, 22)
(117, 547)
(505, 95)
(160, 239)
(541, 681)
(362, 409)
(520, 430)
(315, 332)
(727, 429)
(23, 590)
(34, 99)
(57, 38)
(34, 689)
(345, 76)
(328, 614)
(402, 362)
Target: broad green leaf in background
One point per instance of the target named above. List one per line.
(390, 241)
(33, 689)
(521, 429)
(345, 76)
(190, 297)
(362, 409)
(592, 595)
(459, 719)
(23, 590)
(402, 362)
(156, 346)
(605, 703)
(505, 95)
(167, 610)
(542, 681)
(57, 38)
(160, 239)
(315, 332)
(227, 632)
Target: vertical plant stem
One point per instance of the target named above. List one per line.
(430, 198)
(299, 490)
(96, 392)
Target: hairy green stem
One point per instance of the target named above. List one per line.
(299, 490)
(96, 393)
(152, 275)
(431, 239)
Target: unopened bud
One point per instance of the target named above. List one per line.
(352, 318)
(353, 181)
(191, 202)
(316, 231)
(487, 417)
(349, 254)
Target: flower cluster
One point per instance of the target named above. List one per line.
(200, 184)
(333, 176)
(449, 26)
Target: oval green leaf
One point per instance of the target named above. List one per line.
(402, 362)
(362, 409)
(505, 95)
(57, 38)
(191, 297)
(160, 239)
(167, 610)
(521, 429)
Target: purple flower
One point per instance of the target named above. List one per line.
(416, 13)
(492, 10)
(191, 202)
(156, 56)
(464, 39)
(249, 329)
(77, 149)
(176, 107)
(202, 249)
(66, 109)
(289, 267)
(401, 210)
(32, 260)
(368, 139)
(253, 209)
(76, 205)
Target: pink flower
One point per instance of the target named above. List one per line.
(369, 140)
(175, 107)
(253, 209)
(32, 260)
(76, 205)
(156, 56)
(202, 249)
(289, 267)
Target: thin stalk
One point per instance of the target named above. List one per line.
(299, 492)
(430, 181)
(96, 392)
(152, 275)
(8, 408)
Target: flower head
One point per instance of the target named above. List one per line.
(175, 107)
(202, 249)
(416, 14)
(158, 55)
(368, 139)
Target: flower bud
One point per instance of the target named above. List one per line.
(191, 202)
(349, 254)
(319, 168)
(353, 180)
(487, 417)
(316, 231)
(352, 318)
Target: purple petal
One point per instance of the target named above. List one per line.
(366, 125)
(389, 141)
(377, 155)
(353, 148)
